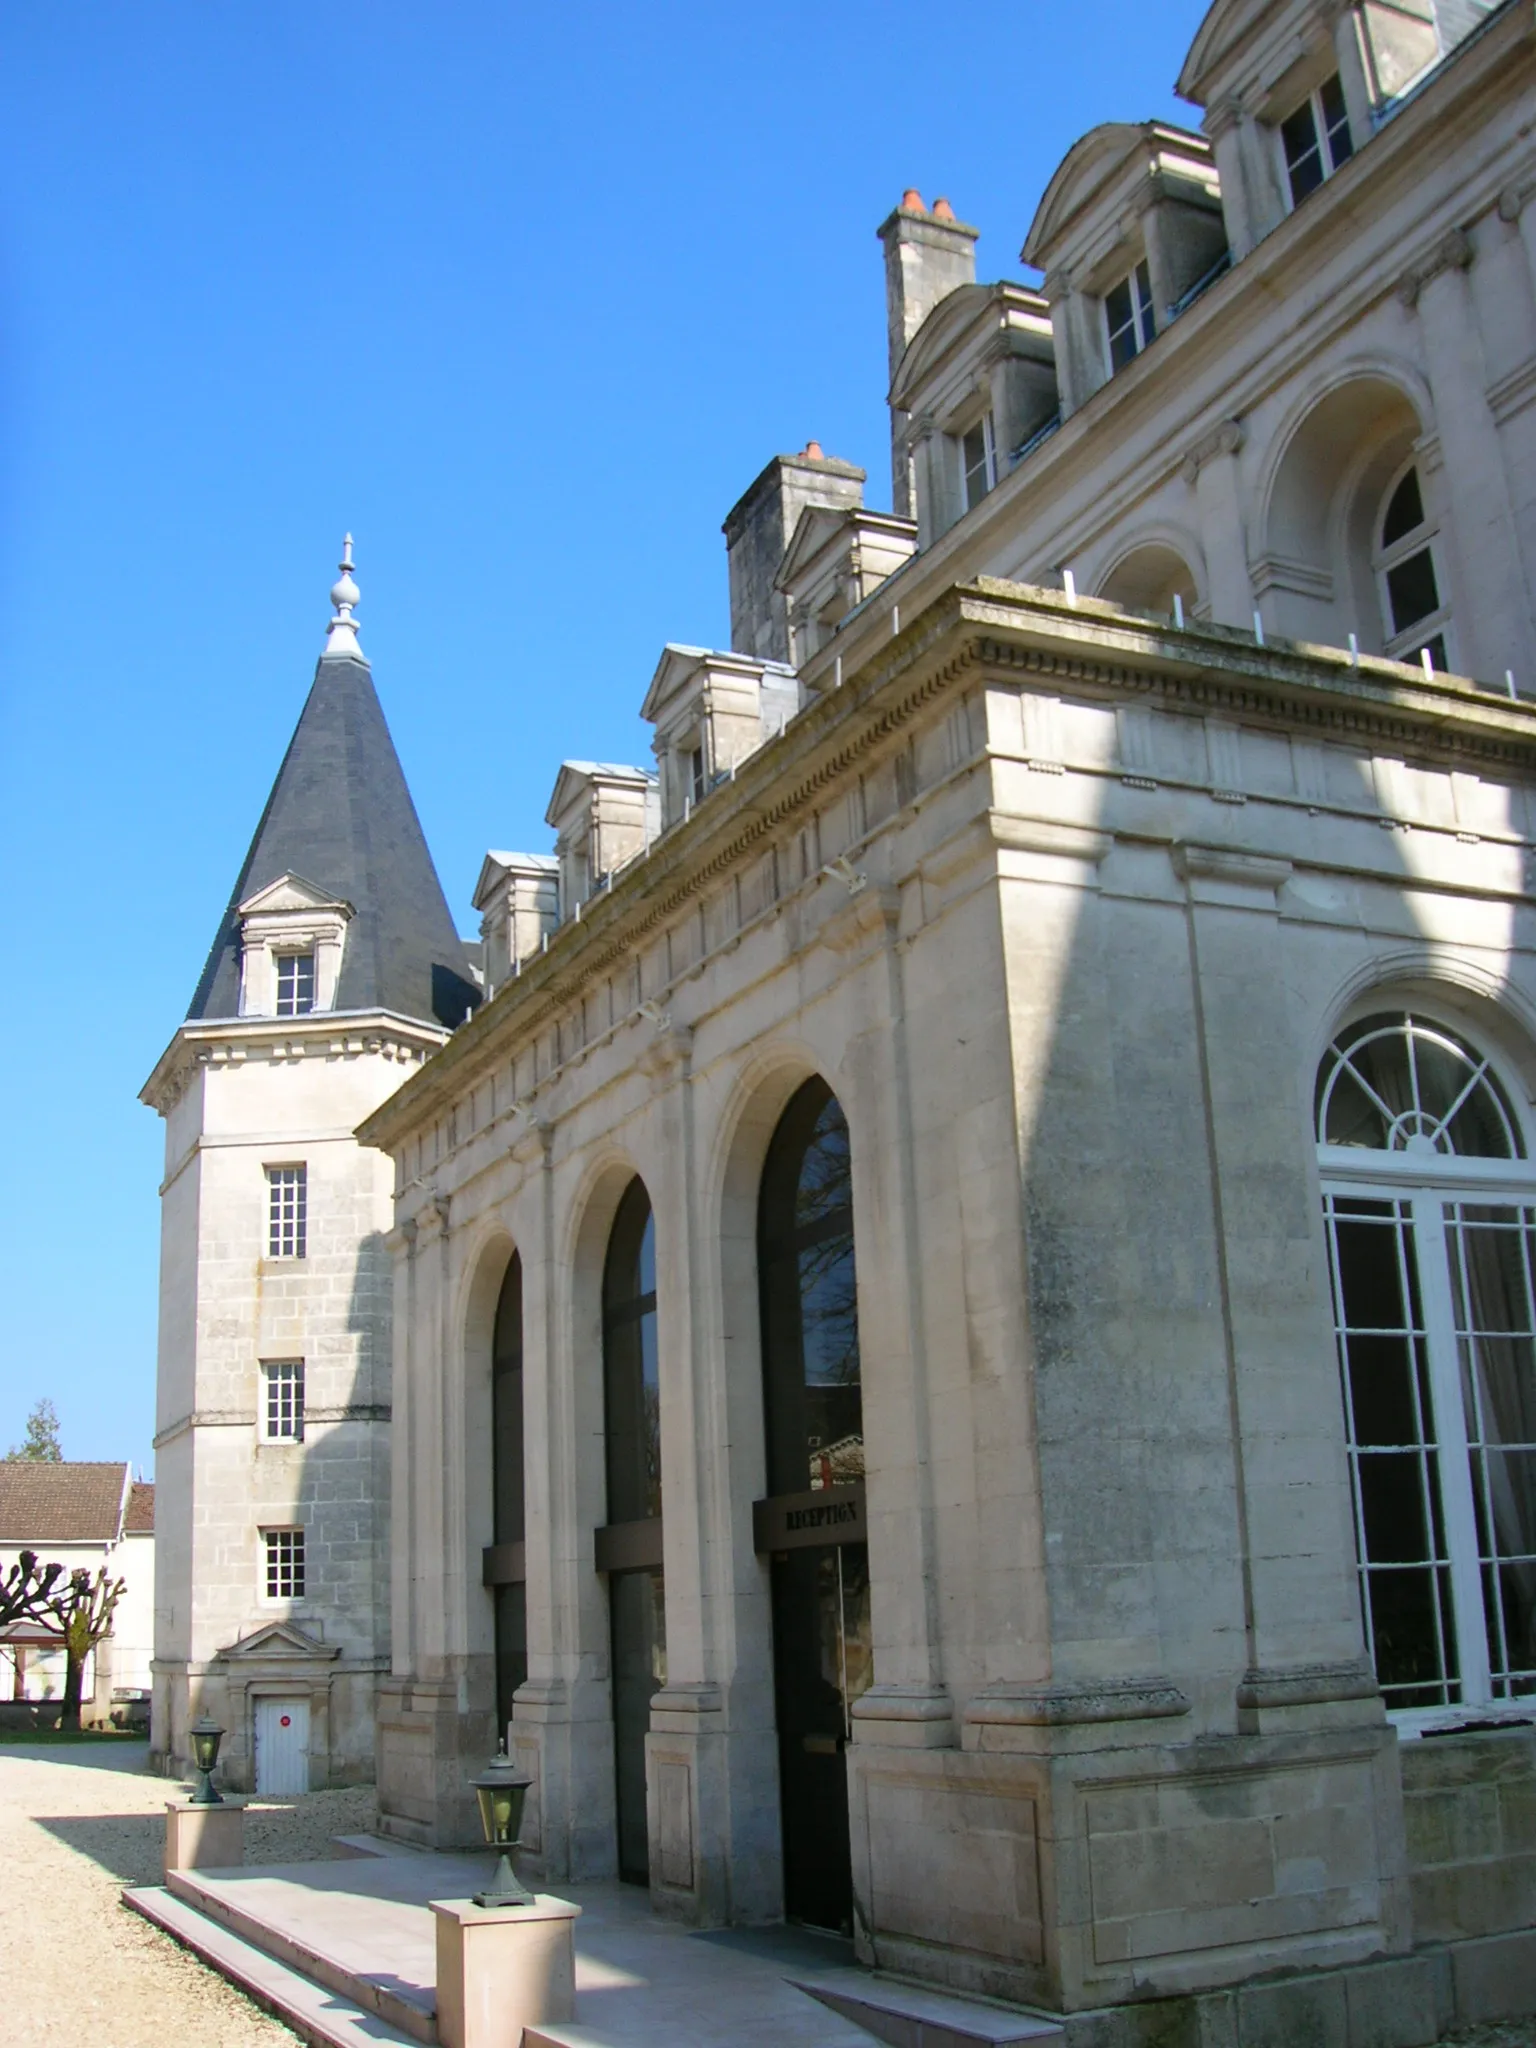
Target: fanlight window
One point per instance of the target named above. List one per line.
(1432, 1252)
(1401, 1084)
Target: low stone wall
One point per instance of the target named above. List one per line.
(1469, 1805)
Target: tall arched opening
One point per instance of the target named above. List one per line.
(505, 1567)
(1430, 1199)
(628, 1548)
(812, 1525)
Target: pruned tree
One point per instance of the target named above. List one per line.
(83, 1613)
(40, 1446)
(25, 1590)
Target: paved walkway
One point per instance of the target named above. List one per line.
(76, 1824)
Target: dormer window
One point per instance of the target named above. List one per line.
(295, 984)
(1128, 316)
(1316, 139)
(978, 461)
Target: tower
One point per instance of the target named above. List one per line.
(335, 971)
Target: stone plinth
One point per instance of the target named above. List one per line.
(503, 1968)
(204, 1837)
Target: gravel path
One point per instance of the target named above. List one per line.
(76, 1825)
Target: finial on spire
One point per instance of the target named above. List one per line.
(341, 633)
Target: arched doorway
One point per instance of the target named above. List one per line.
(506, 1570)
(628, 1549)
(812, 1525)
(1430, 1201)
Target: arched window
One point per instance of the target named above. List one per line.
(632, 1442)
(1430, 1204)
(814, 1413)
(1414, 613)
(510, 1593)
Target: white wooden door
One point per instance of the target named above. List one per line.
(282, 1747)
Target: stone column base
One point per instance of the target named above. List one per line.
(503, 1968)
(204, 1837)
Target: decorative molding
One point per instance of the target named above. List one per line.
(1306, 1685)
(1513, 393)
(669, 1053)
(1453, 251)
(1225, 864)
(1227, 439)
(870, 910)
(1015, 834)
(1009, 1705)
(905, 1703)
(1289, 573)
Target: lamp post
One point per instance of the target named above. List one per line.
(500, 1793)
(206, 1736)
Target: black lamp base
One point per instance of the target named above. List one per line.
(504, 1889)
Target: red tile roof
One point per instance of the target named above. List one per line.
(71, 1502)
(140, 1518)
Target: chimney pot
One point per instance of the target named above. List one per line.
(813, 450)
(942, 210)
(912, 201)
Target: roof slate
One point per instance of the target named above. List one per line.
(70, 1502)
(140, 1518)
(341, 816)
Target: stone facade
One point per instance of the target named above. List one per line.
(1135, 765)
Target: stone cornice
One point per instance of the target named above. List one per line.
(325, 1034)
(1087, 648)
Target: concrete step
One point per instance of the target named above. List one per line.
(314, 2012)
(409, 2008)
(911, 2016)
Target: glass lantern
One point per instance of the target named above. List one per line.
(500, 1793)
(206, 1736)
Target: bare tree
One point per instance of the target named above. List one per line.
(83, 1615)
(26, 1592)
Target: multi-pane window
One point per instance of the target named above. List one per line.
(1129, 317)
(287, 1203)
(283, 1401)
(1315, 139)
(284, 1563)
(978, 461)
(1431, 1215)
(1414, 614)
(295, 984)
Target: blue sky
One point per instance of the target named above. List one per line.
(525, 299)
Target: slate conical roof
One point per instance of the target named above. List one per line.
(340, 816)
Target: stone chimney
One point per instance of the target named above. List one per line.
(928, 254)
(758, 529)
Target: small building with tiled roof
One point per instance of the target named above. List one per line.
(84, 1514)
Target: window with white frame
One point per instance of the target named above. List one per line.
(698, 782)
(283, 1563)
(1315, 139)
(1128, 316)
(287, 1211)
(978, 461)
(1414, 615)
(295, 984)
(1430, 1202)
(282, 1404)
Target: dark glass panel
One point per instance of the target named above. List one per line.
(507, 1407)
(1405, 510)
(1412, 591)
(1303, 152)
(1392, 1507)
(811, 1376)
(632, 1401)
(637, 1608)
(1381, 1391)
(511, 1648)
(1341, 145)
(1408, 1609)
(1353, 1118)
(1370, 1274)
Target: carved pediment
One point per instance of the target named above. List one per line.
(292, 892)
(280, 1642)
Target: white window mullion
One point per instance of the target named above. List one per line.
(1456, 1503)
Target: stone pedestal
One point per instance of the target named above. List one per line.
(204, 1837)
(503, 1968)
